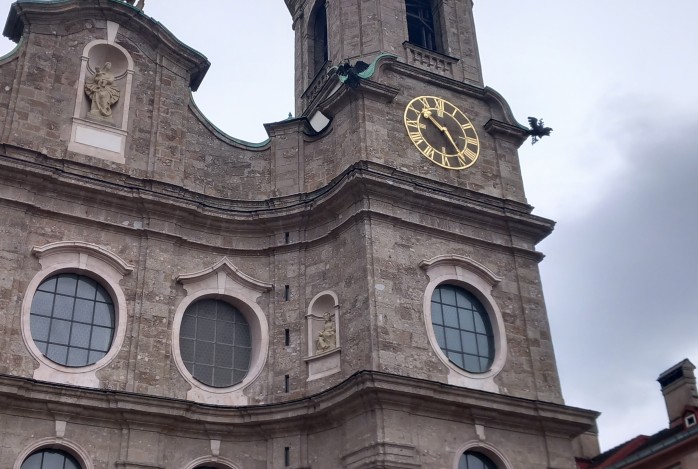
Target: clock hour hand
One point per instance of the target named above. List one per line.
(443, 129)
(427, 114)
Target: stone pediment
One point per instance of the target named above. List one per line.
(227, 269)
(59, 15)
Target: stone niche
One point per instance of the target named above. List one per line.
(323, 336)
(100, 120)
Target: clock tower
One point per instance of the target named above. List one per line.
(359, 291)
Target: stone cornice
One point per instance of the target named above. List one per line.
(164, 202)
(361, 392)
(515, 133)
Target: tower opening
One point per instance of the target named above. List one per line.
(421, 28)
(320, 49)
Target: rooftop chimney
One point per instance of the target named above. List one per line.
(679, 390)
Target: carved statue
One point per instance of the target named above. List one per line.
(101, 90)
(327, 339)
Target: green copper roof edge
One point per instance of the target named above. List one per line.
(12, 54)
(368, 73)
(219, 133)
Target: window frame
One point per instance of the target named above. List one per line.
(52, 328)
(478, 455)
(223, 281)
(91, 261)
(216, 461)
(229, 303)
(477, 308)
(479, 281)
(486, 449)
(55, 443)
(436, 33)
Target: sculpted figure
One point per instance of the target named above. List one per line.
(327, 339)
(101, 90)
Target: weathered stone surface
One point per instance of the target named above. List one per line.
(354, 209)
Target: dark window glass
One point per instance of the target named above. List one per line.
(215, 343)
(50, 459)
(320, 49)
(420, 23)
(462, 328)
(474, 460)
(72, 320)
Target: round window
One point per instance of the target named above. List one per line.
(50, 459)
(72, 320)
(215, 343)
(462, 328)
(473, 460)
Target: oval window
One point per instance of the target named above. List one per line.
(462, 328)
(215, 343)
(72, 320)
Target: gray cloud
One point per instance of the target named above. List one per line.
(621, 282)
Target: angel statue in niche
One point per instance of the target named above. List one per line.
(101, 90)
(327, 339)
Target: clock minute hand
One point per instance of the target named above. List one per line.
(442, 128)
(450, 139)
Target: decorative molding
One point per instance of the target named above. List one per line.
(462, 261)
(478, 280)
(326, 362)
(23, 14)
(60, 428)
(487, 449)
(81, 247)
(514, 132)
(376, 180)
(225, 282)
(99, 135)
(91, 260)
(215, 460)
(318, 83)
(383, 455)
(135, 465)
(429, 59)
(68, 446)
(224, 265)
(363, 391)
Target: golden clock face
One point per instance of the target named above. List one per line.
(442, 132)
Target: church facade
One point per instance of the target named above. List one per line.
(359, 291)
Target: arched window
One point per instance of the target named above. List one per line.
(475, 460)
(72, 320)
(50, 459)
(462, 328)
(320, 47)
(421, 28)
(215, 343)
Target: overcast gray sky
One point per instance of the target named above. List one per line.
(618, 81)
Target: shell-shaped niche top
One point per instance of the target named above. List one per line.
(100, 120)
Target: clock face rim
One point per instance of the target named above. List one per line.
(415, 122)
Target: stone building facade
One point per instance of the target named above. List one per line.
(327, 245)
